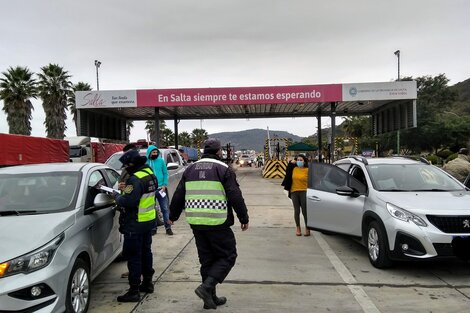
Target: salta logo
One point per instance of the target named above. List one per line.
(353, 91)
(93, 100)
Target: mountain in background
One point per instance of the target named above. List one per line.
(252, 139)
(463, 89)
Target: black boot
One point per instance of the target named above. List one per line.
(147, 285)
(217, 300)
(132, 295)
(205, 291)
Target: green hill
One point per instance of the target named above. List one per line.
(252, 139)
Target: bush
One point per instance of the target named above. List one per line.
(451, 157)
(444, 154)
(434, 159)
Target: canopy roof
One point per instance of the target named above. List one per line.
(300, 146)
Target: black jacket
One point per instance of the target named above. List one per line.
(287, 182)
(129, 202)
(228, 179)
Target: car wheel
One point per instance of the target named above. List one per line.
(77, 298)
(377, 245)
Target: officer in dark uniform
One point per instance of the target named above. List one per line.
(207, 192)
(136, 221)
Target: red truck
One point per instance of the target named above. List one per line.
(20, 149)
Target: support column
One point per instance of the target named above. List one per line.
(157, 125)
(320, 148)
(333, 131)
(176, 133)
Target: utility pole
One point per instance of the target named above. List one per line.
(397, 53)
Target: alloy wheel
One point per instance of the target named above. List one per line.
(373, 244)
(79, 290)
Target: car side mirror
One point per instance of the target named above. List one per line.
(172, 166)
(101, 201)
(347, 191)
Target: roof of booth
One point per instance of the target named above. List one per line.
(247, 102)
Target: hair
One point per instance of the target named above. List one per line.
(304, 157)
(464, 151)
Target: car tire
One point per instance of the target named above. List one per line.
(77, 298)
(377, 245)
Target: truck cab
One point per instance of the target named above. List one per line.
(80, 149)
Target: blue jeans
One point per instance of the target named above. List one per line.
(163, 202)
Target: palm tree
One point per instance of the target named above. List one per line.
(16, 88)
(54, 90)
(129, 126)
(80, 86)
(150, 128)
(198, 135)
(167, 137)
(184, 139)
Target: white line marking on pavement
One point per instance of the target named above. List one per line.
(361, 296)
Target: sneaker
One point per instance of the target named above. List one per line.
(169, 232)
(132, 295)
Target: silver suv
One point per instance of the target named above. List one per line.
(399, 208)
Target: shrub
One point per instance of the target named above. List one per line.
(444, 154)
(434, 159)
(451, 157)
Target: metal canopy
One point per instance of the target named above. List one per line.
(392, 105)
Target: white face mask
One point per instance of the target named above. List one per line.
(300, 163)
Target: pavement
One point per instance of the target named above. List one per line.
(277, 271)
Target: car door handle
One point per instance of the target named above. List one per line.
(313, 198)
(90, 227)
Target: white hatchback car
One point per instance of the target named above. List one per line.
(399, 208)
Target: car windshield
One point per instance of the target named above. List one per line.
(37, 193)
(410, 177)
(75, 152)
(114, 162)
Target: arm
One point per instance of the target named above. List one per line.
(177, 202)
(131, 195)
(235, 197)
(165, 174)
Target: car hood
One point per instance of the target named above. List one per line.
(439, 203)
(25, 233)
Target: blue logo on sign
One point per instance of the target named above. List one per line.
(353, 91)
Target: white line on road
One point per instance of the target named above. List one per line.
(361, 296)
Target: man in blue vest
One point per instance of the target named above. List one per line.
(207, 192)
(136, 221)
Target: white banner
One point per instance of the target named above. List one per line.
(380, 91)
(105, 99)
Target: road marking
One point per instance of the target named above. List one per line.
(358, 292)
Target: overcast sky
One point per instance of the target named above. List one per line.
(218, 43)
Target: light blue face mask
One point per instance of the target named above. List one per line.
(300, 163)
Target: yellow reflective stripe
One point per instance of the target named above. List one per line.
(204, 214)
(146, 210)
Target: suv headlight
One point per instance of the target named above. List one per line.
(32, 261)
(404, 215)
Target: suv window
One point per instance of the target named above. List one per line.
(176, 159)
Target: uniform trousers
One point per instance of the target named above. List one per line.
(137, 250)
(217, 252)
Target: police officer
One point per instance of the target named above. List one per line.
(208, 191)
(136, 221)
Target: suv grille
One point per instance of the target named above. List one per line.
(451, 224)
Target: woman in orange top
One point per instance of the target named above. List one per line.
(295, 183)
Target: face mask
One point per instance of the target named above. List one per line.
(153, 157)
(300, 163)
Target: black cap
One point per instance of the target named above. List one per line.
(129, 157)
(464, 151)
(211, 145)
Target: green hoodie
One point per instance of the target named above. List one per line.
(158, 167)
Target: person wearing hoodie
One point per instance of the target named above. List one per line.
(158, 166)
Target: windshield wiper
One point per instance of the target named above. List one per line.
(434, 189)
(17, 213)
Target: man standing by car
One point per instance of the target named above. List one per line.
(158, 166)
(137, 220)
(460, 166)
(207, 191)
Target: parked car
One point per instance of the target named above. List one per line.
(399, 208)
(58, 232)
(174, 163)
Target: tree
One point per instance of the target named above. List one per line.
(54, 90)
(198, 135)
(184, 139)
(129, 126)
(16, 88)
(80, 86)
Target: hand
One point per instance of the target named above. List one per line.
(122, 185)
(244, 227)
(163, 188)
(115, 194)
(170, 222)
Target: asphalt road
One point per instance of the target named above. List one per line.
(277, 271)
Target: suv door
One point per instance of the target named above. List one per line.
(327, 210)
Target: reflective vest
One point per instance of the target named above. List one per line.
(205, 200)
(146, 210)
